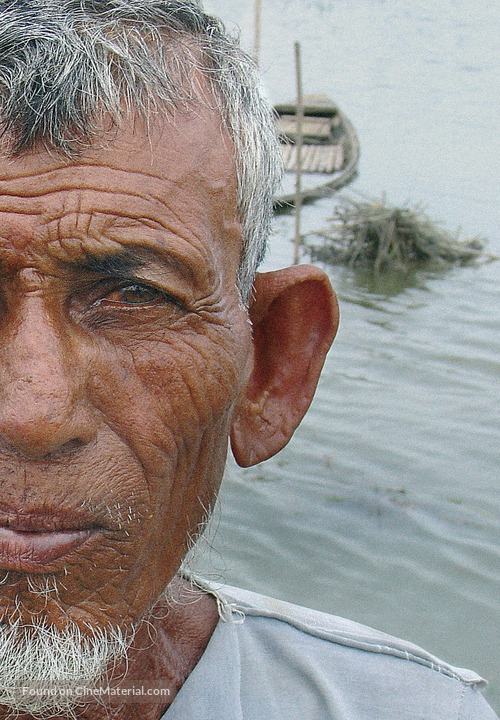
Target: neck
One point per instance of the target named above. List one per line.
(165, 650)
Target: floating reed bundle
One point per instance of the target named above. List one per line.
(375, 235)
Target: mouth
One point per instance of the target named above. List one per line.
(32, 541)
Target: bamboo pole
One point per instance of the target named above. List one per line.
(299, 143)
(256, 45)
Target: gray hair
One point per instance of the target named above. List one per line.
(64, 63)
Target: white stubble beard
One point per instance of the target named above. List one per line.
(43, 669)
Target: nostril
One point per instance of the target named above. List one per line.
(68, 448)
(40, 432)
(71, 445)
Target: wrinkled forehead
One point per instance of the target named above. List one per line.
(175, 173)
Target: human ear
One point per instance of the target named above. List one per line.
(294, 316)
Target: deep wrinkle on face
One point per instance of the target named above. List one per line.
(87, 226)
(113, 411)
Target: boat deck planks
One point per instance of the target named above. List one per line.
(313, 128)
(330, 147)
(314, 158)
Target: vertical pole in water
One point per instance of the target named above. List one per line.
(256, 40)
(299, 143)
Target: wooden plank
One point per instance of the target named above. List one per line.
(299, 144)
(315, 158)
(314, 104)
(312, 127)
(257, 27)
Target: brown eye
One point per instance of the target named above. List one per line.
(135, 294)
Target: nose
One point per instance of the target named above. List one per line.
(43, 408)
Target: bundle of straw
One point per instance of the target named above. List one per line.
(373, 234)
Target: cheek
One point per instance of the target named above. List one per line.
(161, 397)
(169, 403)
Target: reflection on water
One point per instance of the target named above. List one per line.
(365, 287)
(386, 505)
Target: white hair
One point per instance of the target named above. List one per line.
(64, 63)
(43, 670)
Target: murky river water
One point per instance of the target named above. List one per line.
(386, 505)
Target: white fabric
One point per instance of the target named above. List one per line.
(270, 660)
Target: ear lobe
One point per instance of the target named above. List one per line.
(295, 318)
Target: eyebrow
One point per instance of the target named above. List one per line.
(121, 263)
(114, 264)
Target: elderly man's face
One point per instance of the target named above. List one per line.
(123, 349)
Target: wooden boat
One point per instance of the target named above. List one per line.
(330, 150)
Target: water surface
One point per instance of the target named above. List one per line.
(385, 507)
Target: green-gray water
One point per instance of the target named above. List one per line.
(386, 505)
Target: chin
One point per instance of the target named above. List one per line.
(43, 669)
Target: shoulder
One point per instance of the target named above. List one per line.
(340, 631)
(286, 651)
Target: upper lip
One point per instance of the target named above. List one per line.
(45, 520)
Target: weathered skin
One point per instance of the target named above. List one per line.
(116, 401)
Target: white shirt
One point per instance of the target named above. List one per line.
(270, 660)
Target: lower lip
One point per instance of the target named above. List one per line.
(31, 551)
